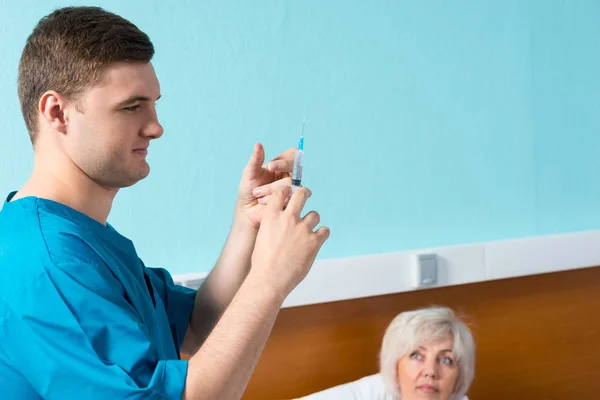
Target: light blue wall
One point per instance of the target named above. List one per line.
(566, 111)
(429, 123)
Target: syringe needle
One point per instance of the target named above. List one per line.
(303, 123)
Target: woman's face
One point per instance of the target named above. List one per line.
(429, 372)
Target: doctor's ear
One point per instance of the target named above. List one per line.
(52, 111)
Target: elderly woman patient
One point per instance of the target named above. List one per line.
(426, 354)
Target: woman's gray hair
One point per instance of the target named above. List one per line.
(412, 329)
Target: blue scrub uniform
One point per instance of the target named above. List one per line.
(81, 317)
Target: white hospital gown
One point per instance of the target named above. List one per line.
(368, 388)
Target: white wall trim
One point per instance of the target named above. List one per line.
(372, 275)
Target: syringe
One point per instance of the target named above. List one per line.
(298, 162)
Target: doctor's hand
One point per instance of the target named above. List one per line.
(287, 243)
(259, 181)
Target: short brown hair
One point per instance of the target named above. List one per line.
(69, 51)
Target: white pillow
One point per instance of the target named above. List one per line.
(368, 388)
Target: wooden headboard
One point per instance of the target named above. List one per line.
(537, 337)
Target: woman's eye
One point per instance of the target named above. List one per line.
(447, 361)
(415, 356)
